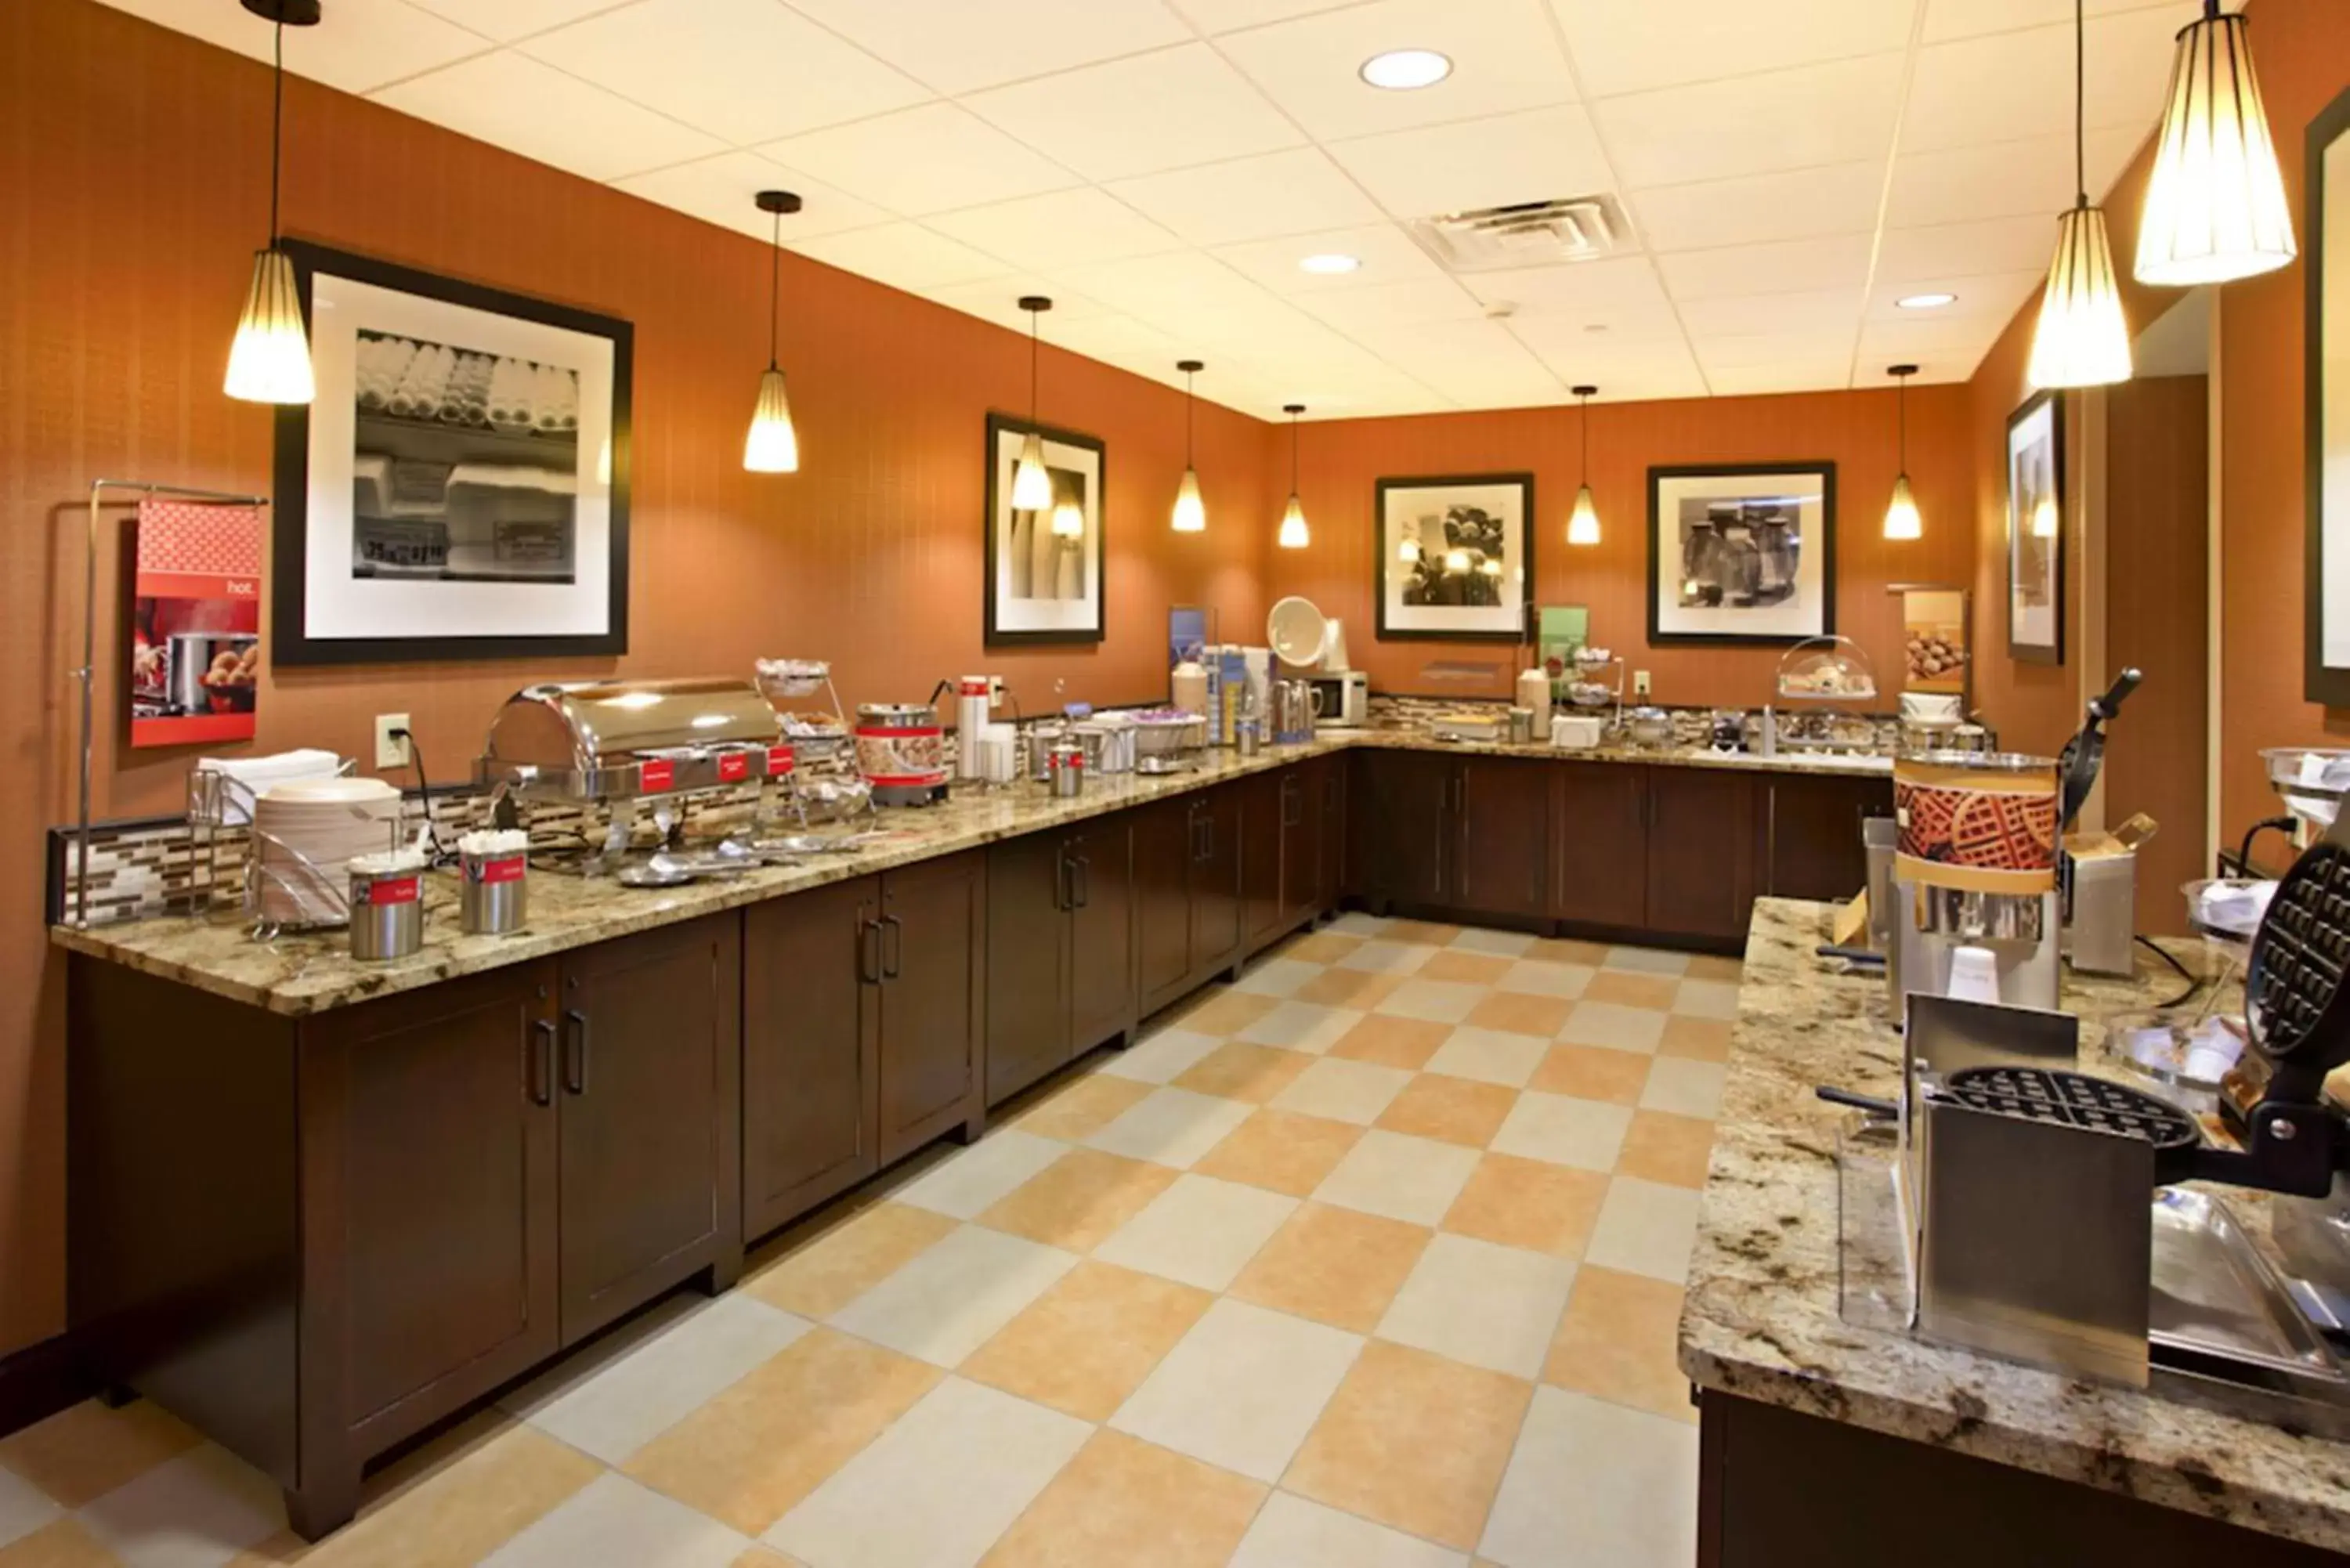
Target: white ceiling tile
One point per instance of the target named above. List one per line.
(516, 103)
(1632, 45)
(507, 20)
(1530, 157)
(2007, 86)
(1995, 295)
(1761, 209)
(1213, 16)
(1885, 342)
(1504, 57)
(997, 299)
(1393, 305)
(961, 46)
(719, 190)
(359, 45)
(1813, 310)
(1940, 367)
(1729, 272)
(1062, 228)
(1625, 372)
(744, 70)
(1180, 286)
(1250, 198)
(1947, 19)
(1795, 118)
(1121, 340)
(1800, 376)
(1746, 350)
(1595, 290)
(1169, 109)
(916, 161)
(903, 255)
(1386, 254)
(1964, 250)
(2013, 179)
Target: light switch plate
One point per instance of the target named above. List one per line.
(390, 749)
(1639, 683)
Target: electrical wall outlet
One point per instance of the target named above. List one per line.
(995, 692)
(1639, 683)
(390, 749)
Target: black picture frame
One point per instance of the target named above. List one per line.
(2052, 651)
(1660, 472)
(995, 635)
(2320, 683)
(1383, 629)
(290, 643)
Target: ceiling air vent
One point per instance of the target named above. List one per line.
(1524, 234)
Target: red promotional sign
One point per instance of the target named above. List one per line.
(734, 767)
(780, 761)
(492, 872)
(655, 774)
(392, 891)
(195, 622)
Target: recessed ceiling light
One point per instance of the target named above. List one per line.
(1400, 71)
(1924, 301)
(1330, 262)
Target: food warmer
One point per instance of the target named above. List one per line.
(631, 740)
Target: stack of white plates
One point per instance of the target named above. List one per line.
(313, 828)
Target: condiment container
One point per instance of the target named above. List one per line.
(493, 882)
(1521, 725)
(1064, 766)
(387, 906)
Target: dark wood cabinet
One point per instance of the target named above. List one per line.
(1501, 858)
(1264, 809)
(1400, 815)
(1701, 852)
(1219, 932)
(929, 946)
(1599, 844)
(811, 1051)
(1302, 803)
(1189, 907)
(1059, 949)
(1811, 833)
(1334, 878)
(1101, 931)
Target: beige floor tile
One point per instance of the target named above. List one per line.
(1649, 960)
(1481, 1305)
(1706, 998)
(1618, 1339)
(1565, 1130)
(1490, 1055)
(1631, 989)
(753, 1453)
(1413, 1440)
(1614, 1025)
(83, 1452)
(1237, 1070)
(459, 1513)
(1360, 923)
(1305, 1026)
(1343, 1089)
(1539, 977)
(1567, 949)
(1385, 955)
(1200, 1230)
(614, 1523)
(1664, 1148)
(1684, 1087)
(1442, 1001)
(1695, 1039)
(1428, 933)
(838, 1265)
(1159, 1054)
(24, 1508)
(1529, 1203)
(62, 1543)
(1077, 1110)
(1452, 1110)
(1283, 1150)
(1225, 1011)
(765, 1557)
(1593, 1481)
(1714, 966)
(1089, 1341)
(1076, 1201)
(1321, 947)
(1359, 989)
(1334, 1265)
(950, 1301)
(1505, 944)
(1134, 1504)
(1467, 967)
(1171, 1127)
(203, 1506)
(1520, 1013)
(968, 1180)
(1276, 976)
(1593, 1073)
(1292, 1532)
(1414, 1180)
(1406, 1043)
(1645, 1228)
(1241, 1390)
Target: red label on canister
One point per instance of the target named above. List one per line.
(391, 890)
(734, 767)
(655, 774)
(779, 762)
(506, 869)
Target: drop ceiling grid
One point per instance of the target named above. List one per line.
(933, 138)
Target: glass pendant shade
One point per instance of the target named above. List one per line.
(1901, 519)
(2215, 206)
(774, 445)
(1032, 487)
(2082, 339)
(269, 363)
(1583, 524)
(1191, 512)
(1068, 522)
(1292, 536)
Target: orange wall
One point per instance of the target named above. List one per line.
(1339, 462)
(129, 238)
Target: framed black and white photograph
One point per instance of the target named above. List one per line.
(1455, 556)
(2035, 530)
(1743, 554)
(1044, 567)
(2325, 575)
(458, 488)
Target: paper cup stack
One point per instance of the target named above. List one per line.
(324, 823)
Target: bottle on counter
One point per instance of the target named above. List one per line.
(1189, 688)
(1533, 695)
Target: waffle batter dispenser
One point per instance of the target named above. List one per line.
(1975, 865)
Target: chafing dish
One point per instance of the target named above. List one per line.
(626, 740)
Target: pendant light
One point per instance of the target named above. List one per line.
(2215, 207)
(774, 445)
(2082, 339)
(1293, 535)
(1032, 487)
(269, 363)
(1901, 519)
(1191, 512)
(1583, 524)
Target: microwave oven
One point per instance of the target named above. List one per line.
(1342, 698)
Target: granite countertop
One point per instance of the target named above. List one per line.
(300, 974)
(1762, 1319)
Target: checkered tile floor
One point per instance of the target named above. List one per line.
(1373, 1259)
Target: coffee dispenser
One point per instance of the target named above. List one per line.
(1975, 868)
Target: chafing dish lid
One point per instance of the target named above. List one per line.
(574, 724)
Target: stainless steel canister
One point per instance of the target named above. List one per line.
(1248, 735)
(387, 907)
(494, 893)
(1064, 766)
(1521, 725)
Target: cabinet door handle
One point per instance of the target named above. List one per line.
(575, 1053)
(542, 1062)
(868, 951)
(1082, 894)
(1064, 896)
(893, 947)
